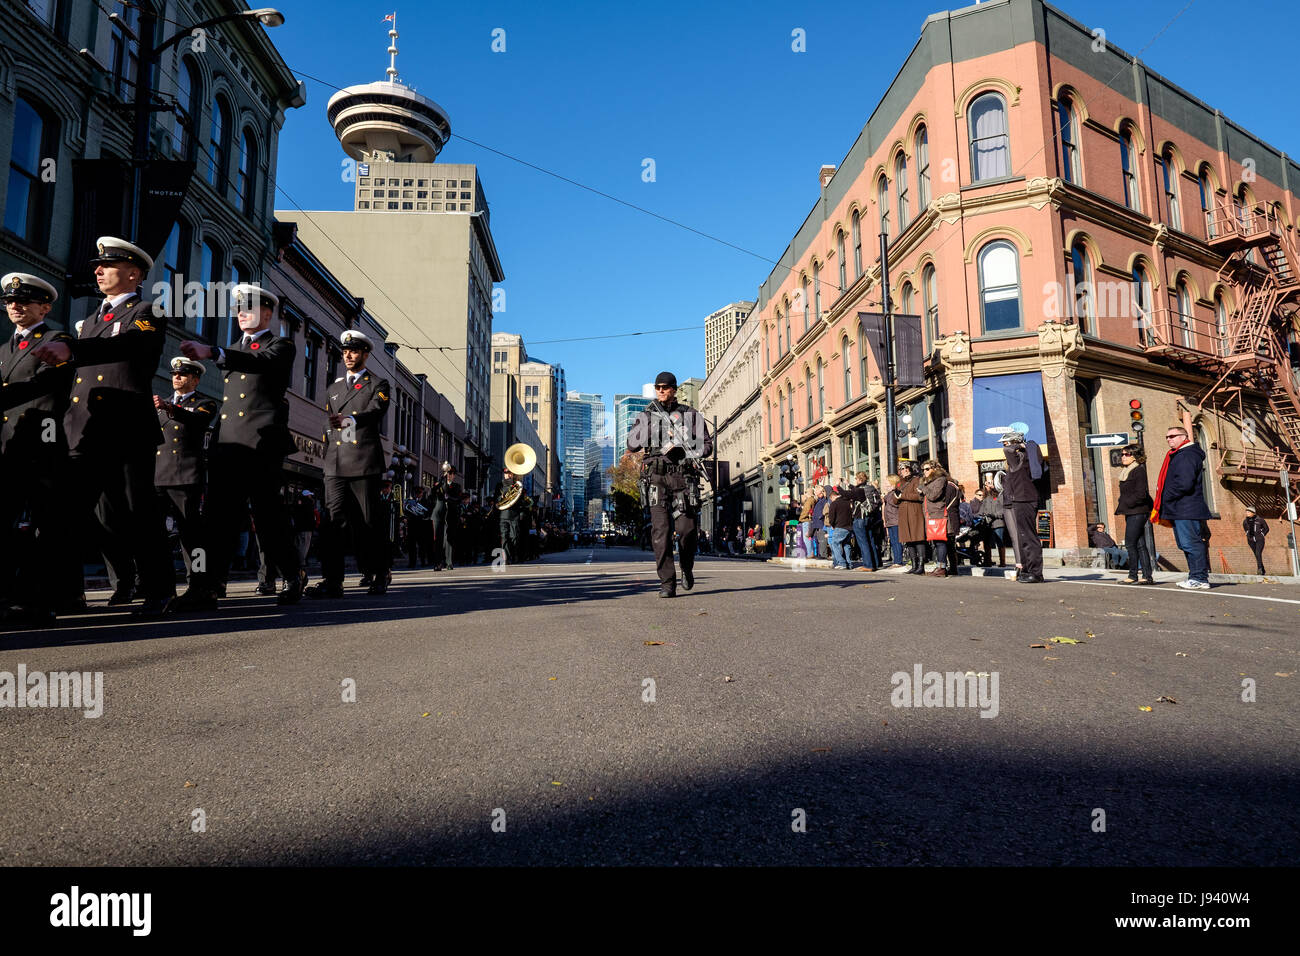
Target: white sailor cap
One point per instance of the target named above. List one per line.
(246, 293)
(113, 249)
(186, 366)
(26, 287)
(352, 339)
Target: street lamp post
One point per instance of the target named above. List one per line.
(891, 420)
(144, 71)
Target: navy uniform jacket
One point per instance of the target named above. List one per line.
(254, 411)
(112, 395)
(31, 394)
(180, 459)
(367, 402)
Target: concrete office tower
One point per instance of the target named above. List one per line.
(537, 384)
(719, 329)
(417, 245)
(688, 391)
(584, 421)
(625, 409)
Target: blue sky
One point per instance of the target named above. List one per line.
(736, 123)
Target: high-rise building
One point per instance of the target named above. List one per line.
(537, 384)
(688, 391)
(720, 328)
(625, 410)
(417, 245)
(584, 421)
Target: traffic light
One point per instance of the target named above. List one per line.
(1135, 414)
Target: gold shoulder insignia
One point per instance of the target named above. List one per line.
(382, 395)
(144, 325)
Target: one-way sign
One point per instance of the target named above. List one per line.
(1106, 441)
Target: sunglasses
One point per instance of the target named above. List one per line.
(1167, 437)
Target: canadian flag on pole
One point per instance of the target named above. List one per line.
(391, 16)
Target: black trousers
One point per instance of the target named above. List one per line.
(113, 489)
(184, 503)
(40, 565)
(1257, 545)
(1135, 539)
(662, 526)
(239, 478)
(446, 526)
(510, 537)
(1029, 549)
(353, 505)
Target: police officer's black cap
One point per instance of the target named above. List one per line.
(666, 378)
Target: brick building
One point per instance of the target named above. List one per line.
(1055, 214)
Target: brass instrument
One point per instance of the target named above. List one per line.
(520, 459)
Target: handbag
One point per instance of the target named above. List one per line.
(936, 529)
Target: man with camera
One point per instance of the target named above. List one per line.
(676, 442)
(1020, 499)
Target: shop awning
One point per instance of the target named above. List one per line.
(1001, 401)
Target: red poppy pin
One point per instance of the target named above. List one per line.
(254, 346)
(358, 385)
(23, 344)
(108, 317)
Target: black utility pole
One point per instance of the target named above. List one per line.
(144, 65)
(891, 416)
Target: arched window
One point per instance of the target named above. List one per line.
(922, 168)
(1185, 313)
(1070, 170)
(789, 339)
(247, 171)
(173, 262)
(930, 291)
(1128, 167)
(780, 401)
(807, 388)
(905, 299)
(212, 266)
(779, 350)
(882, 200)
(817, 292)
(1221, 323)
(900, 184)
(1207, 201)
(990, 144)
(807, 302)
(844, 266)
(767, 351)
(1169, 177)
(821, 389)
(1142, 304)
(769, 421)
(999, 276)
(846, 347)
(863, 350)
(857, 244)
(28, 196)
(219, 144)
(1085, 311)
(188, 88)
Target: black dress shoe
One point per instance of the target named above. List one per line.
(291, 594)
(380, 585)
(667, 592)
(366, 581)
(324, 590)
(194, 599)
(267, 589)
(120, 597)
(688, 579)
(1031, 579)
(152, 607)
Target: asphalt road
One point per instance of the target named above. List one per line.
(519, 698)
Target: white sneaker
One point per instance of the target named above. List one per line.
(1191, 585)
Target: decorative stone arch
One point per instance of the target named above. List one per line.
(1206, 166)
(875, 179)
(24, 79)
(1009, 90)
(1169, 146)
(1014, 235)
(1218, 288)
(917, 122)
(1183, 276)
(1090, 246)
(1129, 124)
(926, 258)
(1068, 89)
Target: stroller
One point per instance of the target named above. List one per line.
(970, 537)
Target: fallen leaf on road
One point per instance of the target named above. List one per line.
(701, 613)
(1179, 654)
(727, 679)
(1020, 600)
(1043, 646)
(1051, 658)
(1089, 634)
(891, 599)
(1065, 640)
(647, 644)
(556, 783)
(188, 785)
(821, 750)
(1280, 674)
(1147, 709)
(1162, 699)
(425, 714)
(556, 678)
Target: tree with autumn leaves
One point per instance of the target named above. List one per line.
(625, 488)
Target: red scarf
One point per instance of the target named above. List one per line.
(1160, 487)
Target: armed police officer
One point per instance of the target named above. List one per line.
(187, 419)
(676, 443)
(112, 426)
(248, 455)
(355, 406)
(33, 457)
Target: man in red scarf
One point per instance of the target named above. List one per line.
(1180, 501)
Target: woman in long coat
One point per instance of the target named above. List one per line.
(1135, 505)
(911, 519)
(942, 500)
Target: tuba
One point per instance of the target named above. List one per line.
(520, 459)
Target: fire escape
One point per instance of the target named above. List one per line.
(1252, 355)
